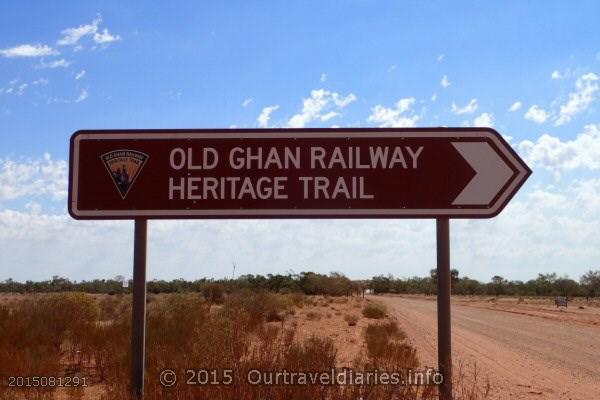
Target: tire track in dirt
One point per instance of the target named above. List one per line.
(523, 356)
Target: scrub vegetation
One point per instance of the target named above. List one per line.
(334, 284)
(87, 336)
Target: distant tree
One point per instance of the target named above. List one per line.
(360, 287)
(566, 287)
(545, 284)
(434, 277)
(339, 285)
(311, 283)
(497, 286)
(468, 286)
(591, 283)
(381, 284)
(281, 283)
(453, 277)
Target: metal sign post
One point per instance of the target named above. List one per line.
(138, 326)
(443, 307)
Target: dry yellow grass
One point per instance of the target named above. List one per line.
(79, 335)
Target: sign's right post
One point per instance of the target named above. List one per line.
(443, 307)
(138, 309)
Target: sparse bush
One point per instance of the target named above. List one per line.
(181, 332)
(214, 293)
(351, 319)
(274, 316)
(108, 307)
(298, 299)
(385, 342)
(313, 316)
(257, 308)
(374, 311)
(315, 354)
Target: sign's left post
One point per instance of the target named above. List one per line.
(138, 326)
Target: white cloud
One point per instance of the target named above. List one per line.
(80, 75)
(62, 63)
(247, 102)
(557, 75)
(329, 115)
(434, 97)
(556, 225)
(341, 101)
(34, 208)
(36, 245)
(468, 109)
(401, 115)
(265, 116)
(440, 58)
(105, 37)
(552, 153)
(19, 89)
(445, 82)
(323, 77)
(82, 96)
(515, 106)
(22, 88)
(72, 36)
(484, 120)
(587, 196)
(28, 50)
(320, 104)
(537, 114)
(33, 178)
(552, 224)
(579, 100)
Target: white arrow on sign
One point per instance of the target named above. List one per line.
(491, 173)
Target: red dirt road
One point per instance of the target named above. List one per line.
(526, 351)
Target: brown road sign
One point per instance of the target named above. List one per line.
(292, 173)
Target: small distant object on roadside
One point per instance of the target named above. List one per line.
(561, 301)
(581, 307)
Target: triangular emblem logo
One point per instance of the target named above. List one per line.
(124, 166)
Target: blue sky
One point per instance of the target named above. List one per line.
(529, 69)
